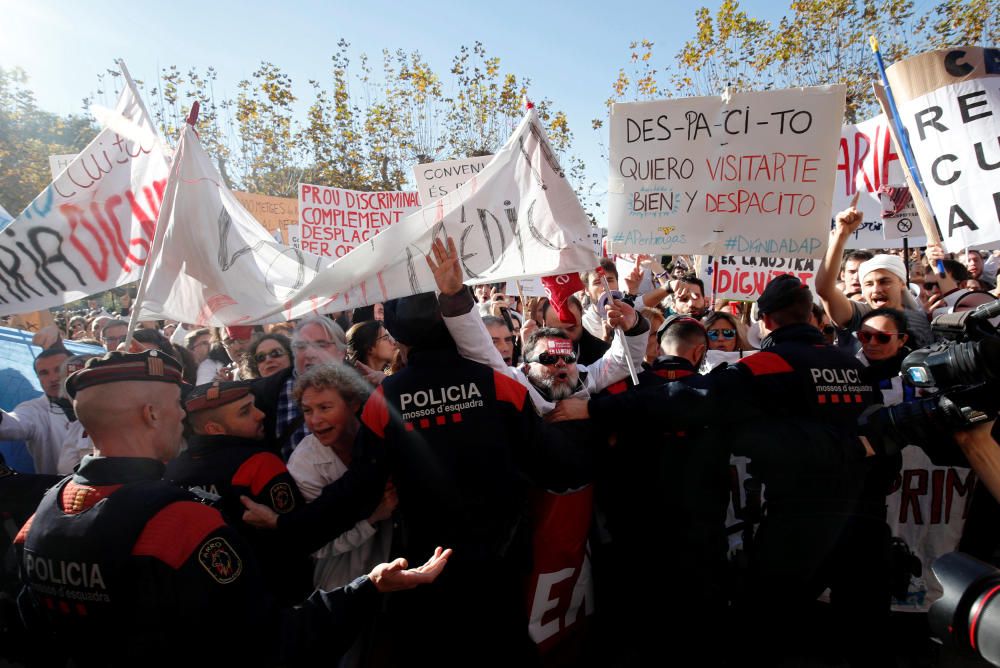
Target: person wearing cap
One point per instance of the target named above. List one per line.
(883, 285)
(546, 382)
(225, 457)
(459, 440)
(122, 568)
(792, 408)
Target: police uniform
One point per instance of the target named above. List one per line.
(230, 467)
(122, 568)
(792, 409)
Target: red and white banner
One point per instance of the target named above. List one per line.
(92, 228)
(520, 218)
(560, 591)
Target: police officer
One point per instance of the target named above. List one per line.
(225, 457)
(122, 568)
(792, 408)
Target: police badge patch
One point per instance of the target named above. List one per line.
(282, 498)
(219, 558)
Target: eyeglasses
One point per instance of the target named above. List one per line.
(274, 354)
(550, 358)
(866, 336)
(302, 345)
(715, 334)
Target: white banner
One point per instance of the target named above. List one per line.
(744, 278)
(220, 267)
(335, 221)
(437, 179)
(91, 229)
(866, 162)
(753, 174)
(5, 217)
(57, 163)
(953, 131)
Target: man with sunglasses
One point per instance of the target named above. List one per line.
(546, 383)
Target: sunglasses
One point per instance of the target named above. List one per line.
(866, 336)
(715, 334)
(550, 358)
(930, 286)
(274, 354)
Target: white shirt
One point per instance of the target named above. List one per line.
(354, 552)
(43, 426)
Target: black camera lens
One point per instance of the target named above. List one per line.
(967, 615)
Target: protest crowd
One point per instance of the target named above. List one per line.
(630, 470)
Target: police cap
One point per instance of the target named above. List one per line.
(116, 367)
(213, 395)
(780, 293)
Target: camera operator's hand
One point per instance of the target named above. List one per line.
(981, 450)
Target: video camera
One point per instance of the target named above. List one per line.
(967, 616)
(963, 370)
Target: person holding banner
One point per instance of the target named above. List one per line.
(883, 284)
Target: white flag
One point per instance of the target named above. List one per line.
(91, 229)
(217, 266)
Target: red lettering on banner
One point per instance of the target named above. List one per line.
(74, 215)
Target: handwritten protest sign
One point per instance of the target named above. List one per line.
(90, 229)
(335, 221)
(274, 213)
(437, 179)
(866, 162)
(949, 103)
(703, 175)
(744, 278)
(215, 265)
(57, 163)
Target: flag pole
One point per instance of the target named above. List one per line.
(903, 139)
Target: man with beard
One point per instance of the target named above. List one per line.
(689, 297)
(550, 370)
(226, 457)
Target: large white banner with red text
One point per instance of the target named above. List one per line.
(91, 229)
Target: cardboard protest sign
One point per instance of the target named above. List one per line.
(57, 163)
(437, 179)
(274, 213)
(215, 265)
(744, 278)
(529, 287)
(949, 104)
(334, 221)
(750, 174)
(899, 214)
(91, 229)
(867, 162)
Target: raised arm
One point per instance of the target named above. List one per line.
(836, 303)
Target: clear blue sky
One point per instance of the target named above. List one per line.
(571, 51)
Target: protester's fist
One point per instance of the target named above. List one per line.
(847, 222)
(527, 328)
(395, 577)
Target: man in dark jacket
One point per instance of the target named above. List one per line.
(793, 409)
(225, 458)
